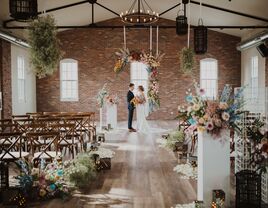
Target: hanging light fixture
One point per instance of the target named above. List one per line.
(23, 10)
(200, 36)
(140, 13)
(181, 20)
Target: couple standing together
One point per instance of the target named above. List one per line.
(137, 102)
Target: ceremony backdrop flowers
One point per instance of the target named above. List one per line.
(152, 62)
(212, 115)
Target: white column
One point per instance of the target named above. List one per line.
(100, 119)
(213, 166)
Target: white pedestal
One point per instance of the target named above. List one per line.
(100, 128)
(111, 115)
(213, 166)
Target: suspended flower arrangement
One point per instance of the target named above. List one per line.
(152, 62)
(45, 51)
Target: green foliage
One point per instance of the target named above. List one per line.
(187, 60)
(81, 170)
(173, 138)
(45, 50)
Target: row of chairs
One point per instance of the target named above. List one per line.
(45, 136)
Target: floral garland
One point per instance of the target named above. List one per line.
(152, 62)
(210, 115)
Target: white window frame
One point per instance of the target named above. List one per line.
(216, 79)
(254, 76)
(76, 97)
(135, 80)
(21, 79)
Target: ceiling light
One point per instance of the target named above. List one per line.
(144, 15)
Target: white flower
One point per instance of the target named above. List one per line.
(225, 116)
(186, 170)
(189, 109)
(196, 107)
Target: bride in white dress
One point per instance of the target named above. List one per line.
(142, 123)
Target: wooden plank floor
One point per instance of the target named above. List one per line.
(141, 176)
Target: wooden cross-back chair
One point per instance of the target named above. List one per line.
(77, 122)
(11, 146)
(67, 137)
(88, 124)
(23, 124)
(47, 143)
(9, 127)
(10, 151)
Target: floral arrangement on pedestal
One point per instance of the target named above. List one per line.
(212, 115)
(152, 62)
(102, 95)
(257, 136)
(112, 99)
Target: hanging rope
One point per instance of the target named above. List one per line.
(200, 20)
(44, 11)
(189, 26)
(125, 38)
(157, 39)
(151, 40)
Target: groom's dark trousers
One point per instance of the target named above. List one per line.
(131, 108)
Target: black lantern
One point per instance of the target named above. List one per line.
(181, 25)
(23, 10)
(200, 38)
(248, 189)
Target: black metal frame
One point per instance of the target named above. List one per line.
(93, 25)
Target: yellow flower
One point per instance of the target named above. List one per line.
(201, 128)
(223, 105)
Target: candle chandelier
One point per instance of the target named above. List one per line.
(140, 13)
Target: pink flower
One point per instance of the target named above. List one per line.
(210, 126)
(202, 91)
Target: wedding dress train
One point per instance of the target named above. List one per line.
(142, 123)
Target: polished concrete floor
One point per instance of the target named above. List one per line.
(142, 175)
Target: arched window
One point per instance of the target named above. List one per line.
(139, 76)
(69, 80)
(21, 78)
(254, 82)
(209, 77)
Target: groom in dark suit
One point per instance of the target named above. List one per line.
(131, 107)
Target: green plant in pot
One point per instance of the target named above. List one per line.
(45, 52)
(175, 139)
(187, 60)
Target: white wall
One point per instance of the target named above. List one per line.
(29, 105)
(253, 104)
(246, 66)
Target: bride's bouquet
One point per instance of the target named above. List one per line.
(134, 101)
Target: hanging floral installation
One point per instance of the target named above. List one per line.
(45, 52)
(152, 62)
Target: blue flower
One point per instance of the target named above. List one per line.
(189, 98)
(192, 121)
(60, 172)
(52, 187)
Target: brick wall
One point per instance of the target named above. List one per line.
(94, 50)
(5, 78)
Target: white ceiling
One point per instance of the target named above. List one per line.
(81, 15)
